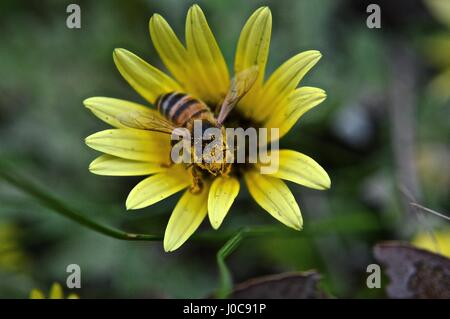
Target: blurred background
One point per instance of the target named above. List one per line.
(383, 135)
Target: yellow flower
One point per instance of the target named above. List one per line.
(12, 256)
(437, 48)
(56, 292)
(440, 10)
(440, 244)
(199, 69)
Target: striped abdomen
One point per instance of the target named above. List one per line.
(180, 108)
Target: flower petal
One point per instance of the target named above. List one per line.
(158, 187)
(56, 291)
(440, 10)
(36, 294)
(189, 213)
(132, 144)
(107, 109)
(254, 41)
(253, 49)
(221, 196)
(147, 80)
(115, 166)
(289, 111)
(283, 81)
(301, 169)
(274, 196)
(206, 57)
(173, 53)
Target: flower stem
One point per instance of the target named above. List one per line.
(58, 206)
(225, 279)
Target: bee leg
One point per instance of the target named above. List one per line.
(196, 185)
(225, 170)
(168, 163)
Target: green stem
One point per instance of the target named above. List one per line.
(225, 279)
(49, 201)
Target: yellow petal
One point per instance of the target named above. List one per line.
(254, 41)
(221, 196)
(283, 81)
(56, 291)
(147, 80)
(158, 187)
(274, 196)
(73, 296)
(115, 166)
(189, 213)
(173, 54)
(301, 169)
(253, 49)
(438, 243)
(36, 294)
(289, 111)
(206, 57)
(108, 109)
(132, 144)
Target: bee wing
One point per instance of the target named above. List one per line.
(240, 85)
(146, 121)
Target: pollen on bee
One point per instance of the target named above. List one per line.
(215, 149)
(197, 183)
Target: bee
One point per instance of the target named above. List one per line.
(181, 110)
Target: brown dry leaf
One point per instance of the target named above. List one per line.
(297, 285)
(413, 272)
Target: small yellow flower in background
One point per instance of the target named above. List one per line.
(56, 292)
(199, 69)
(437, 48)
(440, 9)
(12, 256)
(441, 244)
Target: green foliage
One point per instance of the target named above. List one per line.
(47, 70)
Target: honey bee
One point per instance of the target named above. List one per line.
(181, 110)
